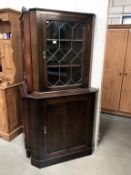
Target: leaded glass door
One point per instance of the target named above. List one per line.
(64, 52)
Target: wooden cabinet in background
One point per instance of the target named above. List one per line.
(116, 92)
(10, 116)
(11, 74)
(59, 104)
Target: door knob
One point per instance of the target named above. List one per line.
(45, 130)
(120, 73)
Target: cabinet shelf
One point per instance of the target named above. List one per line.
(73, 40)
(64, 65)
(63, 74)
(5, 39)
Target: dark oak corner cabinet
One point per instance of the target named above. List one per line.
(59, 104)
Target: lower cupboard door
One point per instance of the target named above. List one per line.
(69, 126)
(80, 123)
(56, 129)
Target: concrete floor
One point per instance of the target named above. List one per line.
(113, 156)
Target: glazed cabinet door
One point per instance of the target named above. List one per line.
(114, 68)
(63, 50)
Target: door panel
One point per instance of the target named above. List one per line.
(69, 124)
(14, 107)
(114, 67)
(111, 90)
(56, 128)
(125, 103)
(77, 123)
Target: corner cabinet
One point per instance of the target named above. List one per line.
(59, 104)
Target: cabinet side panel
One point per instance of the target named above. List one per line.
(3, 113)
(25, 31)
(26, 120)
(16, 46)
(36, 49)
(89, 23)
(14, 107)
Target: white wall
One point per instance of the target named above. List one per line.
(93, 6)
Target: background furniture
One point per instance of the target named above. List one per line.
(116, 96)
(10, 74)
(59, 104)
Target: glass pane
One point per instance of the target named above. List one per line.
(78, 31)
(53, 75)
(64, 52)
(76, 74)
(65, 46)
(65, 74)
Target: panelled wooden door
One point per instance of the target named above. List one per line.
(77, 125)
(125, 101)
(114, 67)
(56, 128)
(80, 118)
(12, 100)
(69, 125)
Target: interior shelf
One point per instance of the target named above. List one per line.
(63, 74)
(64, 65)
(73, 40)
(5, 39)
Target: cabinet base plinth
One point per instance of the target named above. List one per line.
(52, 161)
(123, 114)
(10, 136)
(27, 153)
